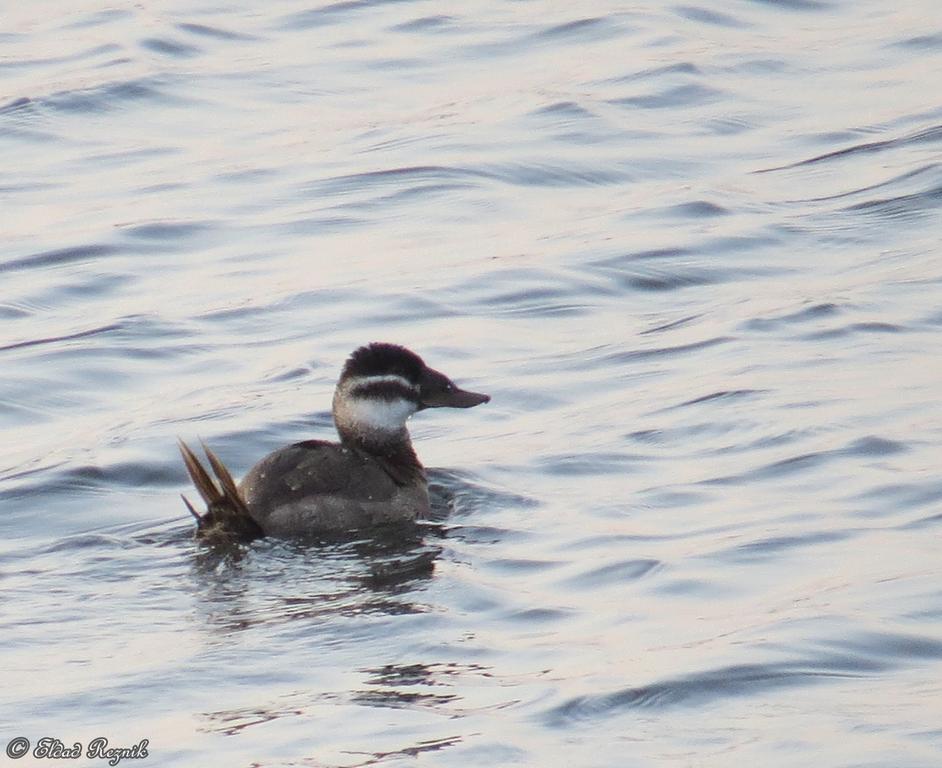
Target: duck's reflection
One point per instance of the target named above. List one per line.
(272, 580)
(401, 686)
(377, 572)
(326, 623)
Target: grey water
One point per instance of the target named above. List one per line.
(692, 250)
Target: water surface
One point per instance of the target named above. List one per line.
(691, 250)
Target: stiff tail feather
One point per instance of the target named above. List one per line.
(226, 517)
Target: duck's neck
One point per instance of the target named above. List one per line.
(393, 452)
(376, 442)
(370, 414)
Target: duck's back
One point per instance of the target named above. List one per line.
(321, 486)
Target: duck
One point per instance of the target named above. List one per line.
(371, 477)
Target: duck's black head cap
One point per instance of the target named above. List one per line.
(380, 358)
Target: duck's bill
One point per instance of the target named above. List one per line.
(456, 398)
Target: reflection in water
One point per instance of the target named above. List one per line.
(395, 684)
(423, 746)
(270, 581)
(273, 580)
(334, 589)
(232, 722)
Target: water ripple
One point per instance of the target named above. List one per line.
(172, 48)
(709, 686)
(690, 95)
(804, 315)
(901, 206)
(669, 351)
(708, 16)
(866, 447)
(930, 42)
(762, 549)
(332, 13)
(106, 97)
(424, 23)
(166, 231)
(581, 29)
(796, 5)
(614, 574)
(929, 135)
(64, 337)
(205, 30)
(733, 395)
(58, 257)
(852, 329)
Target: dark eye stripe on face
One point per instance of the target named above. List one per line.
(384, 390)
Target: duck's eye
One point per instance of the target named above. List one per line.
(449, 386)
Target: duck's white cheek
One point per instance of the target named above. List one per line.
(380, 415)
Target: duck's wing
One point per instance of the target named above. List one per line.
(312, 469)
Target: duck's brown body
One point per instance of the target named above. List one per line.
(372, 477)
(322, 486)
